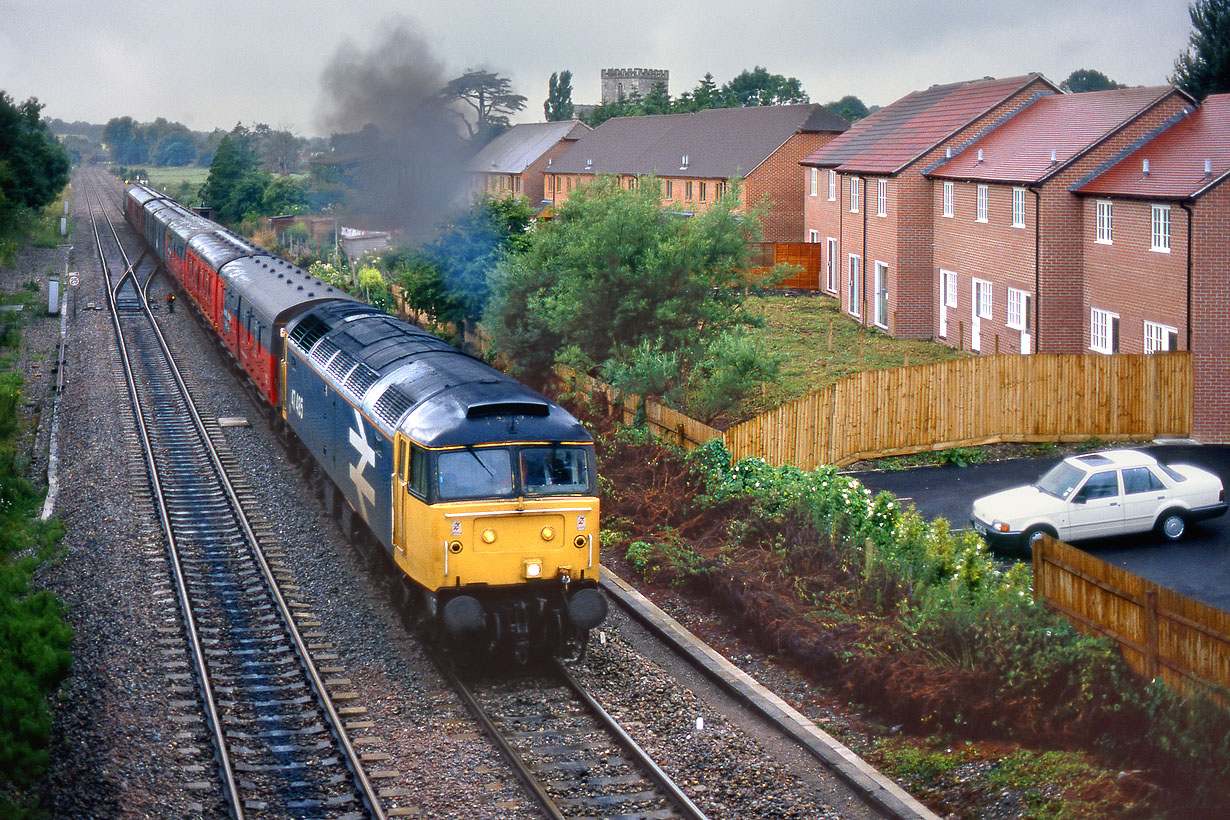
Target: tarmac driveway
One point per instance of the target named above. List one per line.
(1198, 566)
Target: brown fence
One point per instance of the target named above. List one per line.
(1161, 633)
(972, 401)
(687, 432)
(807, 255)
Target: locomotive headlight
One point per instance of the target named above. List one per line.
(488, 536)
(531, 568)
(547, 533)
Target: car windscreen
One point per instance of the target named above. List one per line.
(1060, 480)
(478, 473)
(554, 470)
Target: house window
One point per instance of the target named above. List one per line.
(703, 192)
(855, 265)
(1018, 309)
(1159, 234)
(568, 180)
(1160, 338)
(854, 194)
(982, 203)
(551, 184)
(815, 182)
(1104, 216)
(882, 197)
(813, 236)
(832, 265)
(670, 189)
(982, 293)
(950, 288)
(832, 186)
(1103, 331)
(1018, 207)
(947, 199)
(687, 190)
(881, 288)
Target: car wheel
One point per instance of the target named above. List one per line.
(1172, 525)
(1032, 536)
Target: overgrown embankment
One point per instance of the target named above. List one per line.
(915, 623)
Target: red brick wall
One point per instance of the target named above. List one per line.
(777, 184)
(1210, 339)
(1127, 278)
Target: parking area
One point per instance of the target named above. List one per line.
(1198, 566)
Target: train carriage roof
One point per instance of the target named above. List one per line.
(218, 247)
(141, 194)
(275, 287)
(407, 379)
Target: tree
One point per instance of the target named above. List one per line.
(1087, 79)
(705, 95)
(759, 87)
(236, 185)
(850, 108)
(34, 167)
(1204, 68)
(613, 285)
(558, 106)
(126, 140)
(490, 98)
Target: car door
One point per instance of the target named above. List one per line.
(1143, 496)
(1096, 508)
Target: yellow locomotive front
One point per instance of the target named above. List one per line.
(503, 538)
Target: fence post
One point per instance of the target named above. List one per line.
(1151, 640)
(1039, 547)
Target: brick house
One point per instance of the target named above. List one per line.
(696, 155)
(1163, 214)
(868, 201)
(1013, 246)
(513, 163)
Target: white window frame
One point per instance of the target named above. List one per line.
(950, 288)
(832, 284)
(815, 182)
(880, 306)
(855, 194)
(1018, 207)
(1159, 229)
(1158, 337)
(813, 236)
(1017, 301)
(948, 197)
(882, 197)
(1103, 331)
(855, 268)
(1105, 227)
(981, 216)
(983, 290)
(832, 186)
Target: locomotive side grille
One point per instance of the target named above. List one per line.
(391, 406)
(361, 380)
(341, 365)
(308, 332)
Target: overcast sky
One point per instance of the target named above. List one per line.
(215, 63)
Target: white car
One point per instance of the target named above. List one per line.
(1100, 494)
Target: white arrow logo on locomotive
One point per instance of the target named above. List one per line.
(367, 457)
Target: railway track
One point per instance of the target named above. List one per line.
(280, 744)
(575, 759)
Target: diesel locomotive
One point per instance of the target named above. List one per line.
(481, 491)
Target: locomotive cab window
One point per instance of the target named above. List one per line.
(420, 472)
(478, 473)
(554, 470)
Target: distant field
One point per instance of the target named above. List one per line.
(820, 345)
(172, 178)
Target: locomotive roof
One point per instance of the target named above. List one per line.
(275, 287)
(405, 378)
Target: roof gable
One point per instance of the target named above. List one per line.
(718, 143)
(1061, 126)
(1176, 157)
(522, 145)
(890, 139)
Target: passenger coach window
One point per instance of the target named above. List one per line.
(554, 470)
(475, 473)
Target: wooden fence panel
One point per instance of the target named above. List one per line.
(977, 400)
(807, 255)
(1161, 633)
